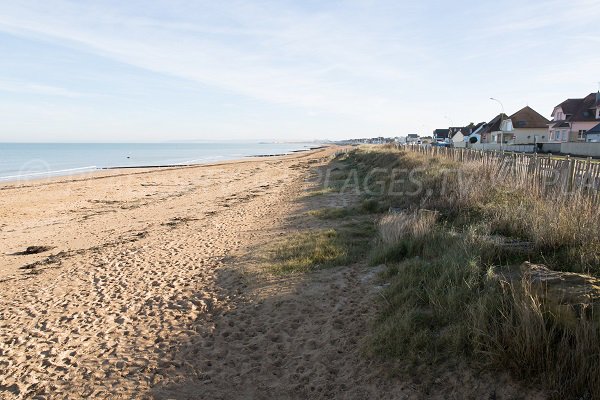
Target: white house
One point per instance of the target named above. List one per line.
(498, 130)
(412, 138)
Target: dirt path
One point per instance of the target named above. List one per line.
(150, 293)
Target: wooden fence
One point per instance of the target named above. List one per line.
(547, 173)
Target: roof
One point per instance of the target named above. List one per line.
(478, 126)
(595, 130)
(453, 130)
(580, 109)
(559, 124)
(441, 133)
(527, 117)
(494, 124)
(412, 135)
(570, 106)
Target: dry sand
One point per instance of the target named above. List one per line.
(149, 290)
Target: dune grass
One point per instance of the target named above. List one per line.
(324, 248)
(452, 243)
(449, 252)
(333, 212)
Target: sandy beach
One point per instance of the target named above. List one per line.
(146, 285)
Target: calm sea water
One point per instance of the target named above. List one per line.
(37, 160)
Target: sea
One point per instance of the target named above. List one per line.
(24, 161)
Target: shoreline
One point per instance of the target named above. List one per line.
(104, 172)
(59, 199)
(84, 170)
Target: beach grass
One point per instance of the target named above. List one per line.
(309, 250)
(452, 252)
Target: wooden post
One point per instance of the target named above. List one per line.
(588, 172)
(569, 177)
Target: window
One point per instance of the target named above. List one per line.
(581, 134)
(564, 136)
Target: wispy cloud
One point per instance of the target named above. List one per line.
(393, 65)
(297, 59)
(36, 88)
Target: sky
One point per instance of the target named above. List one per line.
(162, 70)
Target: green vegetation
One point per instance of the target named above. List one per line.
(564, 232)
(453, 243)
(320, 192)
(366, 207)
(332, 212)
(310, 250)
(449, 296)
(454, 287)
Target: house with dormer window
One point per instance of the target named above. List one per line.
(573, 118)
(529, 126)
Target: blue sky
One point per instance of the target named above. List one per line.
(181, 70)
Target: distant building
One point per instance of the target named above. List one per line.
(573, 118)
(457, 136)
(472, 133)
(529, 126)
(460, 136)
(498, 130)
(412, 138)
(440, 135)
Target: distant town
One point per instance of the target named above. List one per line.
(574, 128)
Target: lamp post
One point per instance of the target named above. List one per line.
(501, 121)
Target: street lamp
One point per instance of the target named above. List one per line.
(501, 121)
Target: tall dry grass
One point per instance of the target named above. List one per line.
(515, 329)
(395, 227)
(563, 228)
(447, 296)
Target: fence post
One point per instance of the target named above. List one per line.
(570, 173)
(588, 173)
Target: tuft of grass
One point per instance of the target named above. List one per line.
(515, 329)
(394, 227)
(333, 212)
(305, 251)
(371, 206)
(366, 207)
(320, 192)
(310, 250)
